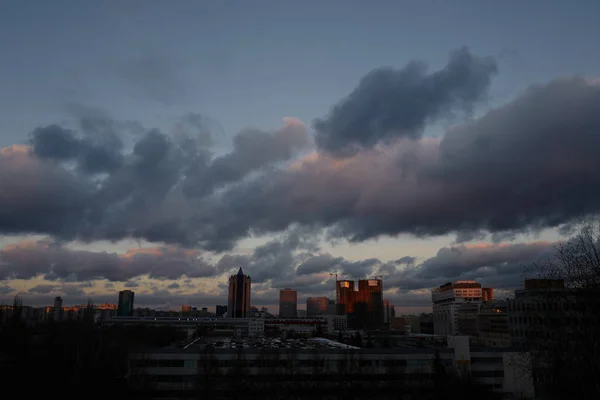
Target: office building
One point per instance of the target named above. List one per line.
(487, 294)
(220, 310)
(288, 303)
(493, 324)
(345, 297)
(125, 307)
(239, 296)
(447, 300)
(370, 296)
(57, 311)
(317, 306)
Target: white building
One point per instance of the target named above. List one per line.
(447, 299)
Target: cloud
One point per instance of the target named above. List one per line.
(495, 265)
(389, 104)
(174, 285)
(42, 289)
(5, 289)
(26, 260)
(252, 150)
(81, 185)
(527, 165)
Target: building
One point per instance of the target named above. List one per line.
(487, 294)
(280, 362)
(288, 303)
(447, 300)
(317, 306)
(57, 311)
(125, 307)
(239, 295)
(468, 319)
(493, 324)
(370, 298)
(220, 311)
(345, 297)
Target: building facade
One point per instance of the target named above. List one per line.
(125, 306)
(239, 295)
(316, 306)
(288, 303)
(447, 300)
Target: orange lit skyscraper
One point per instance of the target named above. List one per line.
(288, 303)
(370, 292)
(345, 297)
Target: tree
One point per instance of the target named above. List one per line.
(567, 321)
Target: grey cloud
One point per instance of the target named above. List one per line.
(275, 259)
(389, 103)
(406, 260)
(252, 149)
(173, 285)
(38, 196)
(28, 260)
(131, 284)
(495, 265)
(142, 193)
(317, 264)
(5, 289)
(326, 263)
(42, 289)
(57, 143)
(527, 165)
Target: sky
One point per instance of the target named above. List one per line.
(160, 146)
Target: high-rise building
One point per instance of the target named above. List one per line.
(125, 307)
(239, 295)
(345, 297)
(447, 300)
(288, 303)
(57, 311)
(370, 294)
(316, 306)
(221, 310)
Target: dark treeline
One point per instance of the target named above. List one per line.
(73, 358)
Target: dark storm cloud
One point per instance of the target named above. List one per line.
(139, 193)
(527, 165)
(252, 149)
(27, 260)
(57, 143)
(389, 103)
(495, 265)
(38, 196)
(275, 259)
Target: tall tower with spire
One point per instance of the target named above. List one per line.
(239, 296)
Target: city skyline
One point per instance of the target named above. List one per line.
(383, 142)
